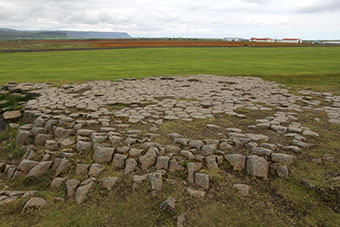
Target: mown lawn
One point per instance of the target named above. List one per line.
(317, 67)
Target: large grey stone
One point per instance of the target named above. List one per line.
(71, 185)
(148, 159)
(35, 203)
(56, 183)
(26, 165)
(11, 115)
(213, 161)
(63, 167)
(40, 139)
(95, 169)
(103, 154)
(156, 182)
(82, 169)
(282, 158)
(257, 166)
(196, 193)
(82, 192)
(192, 168)
(242, 188)
(238, 161)
(119, 161)
(23, 138)
(83, 146)
(51, 145)
(130, 165)
(109, 182)
(40, 169)
(261, 151)
(162, 162)
(202, 180)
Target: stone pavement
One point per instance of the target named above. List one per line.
(99, 119)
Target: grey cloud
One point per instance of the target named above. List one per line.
(321, 6)
(200, 18)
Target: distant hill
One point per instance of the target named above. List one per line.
(11, 34)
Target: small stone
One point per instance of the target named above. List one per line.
(59, 200)
(282, 158)
(63, 167)
(118, 161)
(115, 139)
(82, 192)
(133, 152)
(35, 202)
(41, 139)
(192, 168)
(81, 169)
(169, 204)
(57, 182)
(181, 141)
(223, 146)
(300, 144)
(279, 128)
(83, 146)
(212, 126)
(162, 162)
(202, 180)
(172, 149)
(40, 169)
(208, 149)
(71, 186)
(213, 161)
(282, 171)
(84, 132)
(109, 182)
(130, 165)
(310, 133)
(148, 159)
(26, 165)
(195, 144)
(156, 182)
(51, 145)
(269, 146)
(294, 149)
(242, 188)
(66, 143)
(139, 179)
(39, 122)
(187, 154)
(11, 115)
(174, 165)
(238, 161)
(196, 193)
(181, 220)
(23, 138)
(261, 151)
(95, 169)
(103, 154)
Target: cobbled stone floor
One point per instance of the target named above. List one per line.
(100, 119)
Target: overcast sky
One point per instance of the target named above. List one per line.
(308, 19)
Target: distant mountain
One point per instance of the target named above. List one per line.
(97, 35)
(11, 34)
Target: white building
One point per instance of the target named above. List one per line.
(262, 40)
(233, 39)
(290, 40)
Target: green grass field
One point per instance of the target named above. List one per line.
(316, 67)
